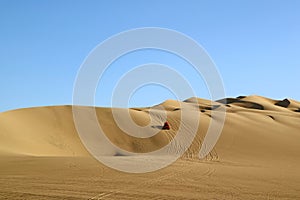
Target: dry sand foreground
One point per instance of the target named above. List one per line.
(256, 157)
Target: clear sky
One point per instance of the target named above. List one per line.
(255, 44)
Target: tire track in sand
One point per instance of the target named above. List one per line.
(177, 174)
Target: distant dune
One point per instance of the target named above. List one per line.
(257, 154)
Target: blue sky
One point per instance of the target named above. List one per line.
(254, 44)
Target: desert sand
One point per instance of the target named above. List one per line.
(256, 157)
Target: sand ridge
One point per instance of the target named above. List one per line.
(44, 131)
(257, 154)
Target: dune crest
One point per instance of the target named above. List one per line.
(50, 131)
(256, 156)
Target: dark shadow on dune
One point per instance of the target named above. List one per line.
(284, 103)
(157, 127)
(297, 110)
(213, 107)
(228, 100)
(241, 103)
(208, 115)
(137, 109)
(176, 109)
(119, 154)
(271, 117)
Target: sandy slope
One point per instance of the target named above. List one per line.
(256, 157)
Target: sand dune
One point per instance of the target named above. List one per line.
(256, 156)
